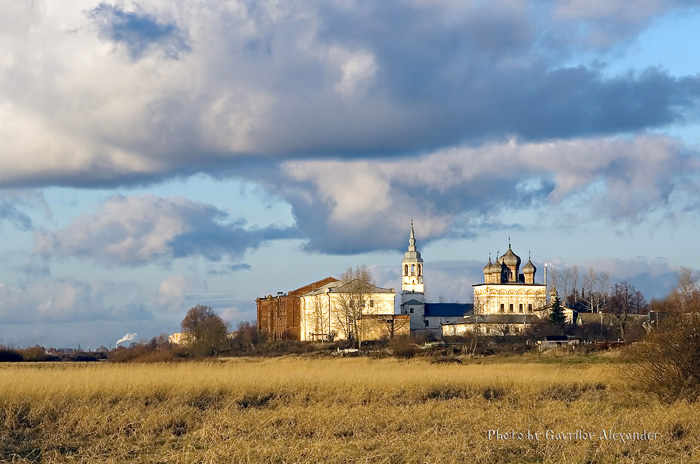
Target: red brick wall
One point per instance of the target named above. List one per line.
(280, 316)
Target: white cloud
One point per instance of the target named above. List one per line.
(623, 179)
(69, 300)
(173, 290)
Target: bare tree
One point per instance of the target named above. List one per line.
(318, 318)
(625, 299)
(206, 330)
(360, 273)
(595, 290)
(553, 278)
(685, 297)
(573, 272)
(350, 303)
(604, 288)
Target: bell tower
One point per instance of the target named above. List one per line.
(412, 272)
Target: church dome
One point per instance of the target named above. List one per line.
(487, 268)
(510, 259)
(529, 268)
(496, 268)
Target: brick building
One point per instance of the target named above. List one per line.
(279, 316)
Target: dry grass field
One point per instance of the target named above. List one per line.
(336, 410)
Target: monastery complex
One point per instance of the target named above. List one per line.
(507, 302)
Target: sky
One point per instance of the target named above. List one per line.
(156, 155)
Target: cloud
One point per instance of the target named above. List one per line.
(228, 269)
(139, 31)
(268, 80)
(69, 300)
(138, 230)
(16, 205)
(353, 206)
(172, 291)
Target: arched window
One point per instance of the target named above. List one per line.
(405, 269)
(413, 269)
(420, 269)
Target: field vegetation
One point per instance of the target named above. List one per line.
(292, 409)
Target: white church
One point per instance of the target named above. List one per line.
(507, 303)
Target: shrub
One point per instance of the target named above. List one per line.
(8, 355)
(668, 362)
(403, 347)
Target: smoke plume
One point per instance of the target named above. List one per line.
(126, 338)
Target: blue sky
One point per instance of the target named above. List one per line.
(158, 155)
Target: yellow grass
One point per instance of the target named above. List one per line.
(332, 410)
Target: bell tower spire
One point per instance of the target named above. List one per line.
(412, 271)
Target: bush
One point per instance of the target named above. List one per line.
(7, 355)
(156, 350)
(404, 347)
(668, 362)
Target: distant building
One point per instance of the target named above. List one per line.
(350, 310)
(506, 291)
(489, 324)
(180, 338)
(279, 316)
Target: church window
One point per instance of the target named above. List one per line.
(420, 269)
(405, 269)
(503, 308)
(411, 310)
(413, 269)
(371, 304)
(529, 307)
(510, 307)
(520, 308)
(427, 323)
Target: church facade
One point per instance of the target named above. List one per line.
(508, 291)
(508, 301)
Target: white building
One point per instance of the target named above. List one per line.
(507, 303)
(347, 310)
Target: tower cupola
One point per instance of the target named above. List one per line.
(529, 271)
(412, 267)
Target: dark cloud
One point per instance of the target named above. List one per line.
(139, 31)
(137, 230)
(269, 81)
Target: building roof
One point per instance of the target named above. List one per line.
(353, 286)
(412, 301)
(313, 286)
(510, 258)
(412, 255)
(447, 309)
(529, 268)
